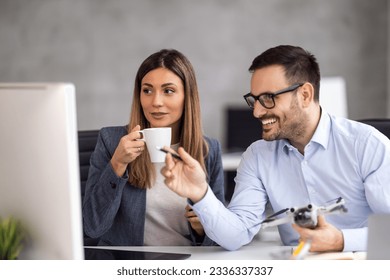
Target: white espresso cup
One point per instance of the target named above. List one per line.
(156, 137)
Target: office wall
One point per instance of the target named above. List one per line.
(98, 45)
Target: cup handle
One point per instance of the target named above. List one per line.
(143, 135)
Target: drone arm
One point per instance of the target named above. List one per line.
(270, 223)
(334, 208)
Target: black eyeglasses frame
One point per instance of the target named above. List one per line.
(269, 94)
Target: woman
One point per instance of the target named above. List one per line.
(126, 201)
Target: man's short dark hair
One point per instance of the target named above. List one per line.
(300, 65)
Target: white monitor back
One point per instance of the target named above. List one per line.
(333, 96)
(378, 245)
(39, 167)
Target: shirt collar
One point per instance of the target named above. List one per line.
(322, 133)
(320, 136)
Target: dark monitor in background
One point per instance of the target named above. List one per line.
(242, 129)
(39, 168)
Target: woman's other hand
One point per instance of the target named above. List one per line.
(194, 221)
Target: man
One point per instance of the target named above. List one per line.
(306, 156)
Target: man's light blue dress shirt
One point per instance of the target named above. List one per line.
(344, 159)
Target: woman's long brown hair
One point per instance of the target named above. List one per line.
(141, 170)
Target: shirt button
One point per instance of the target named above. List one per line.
(113, 185)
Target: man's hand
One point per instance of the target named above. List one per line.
(324, 238)
(186, 177)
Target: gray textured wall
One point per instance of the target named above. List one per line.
(98, 45)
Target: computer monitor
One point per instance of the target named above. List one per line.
(242, 129)
(378, 245)
(39, 168)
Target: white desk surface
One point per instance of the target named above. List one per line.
(260, 252)
(264, 246)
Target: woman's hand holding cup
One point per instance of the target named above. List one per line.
(128, 149)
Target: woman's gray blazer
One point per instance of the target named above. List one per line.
(114, 210)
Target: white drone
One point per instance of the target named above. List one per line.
(304, 216)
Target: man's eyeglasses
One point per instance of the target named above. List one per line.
(268, 99)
